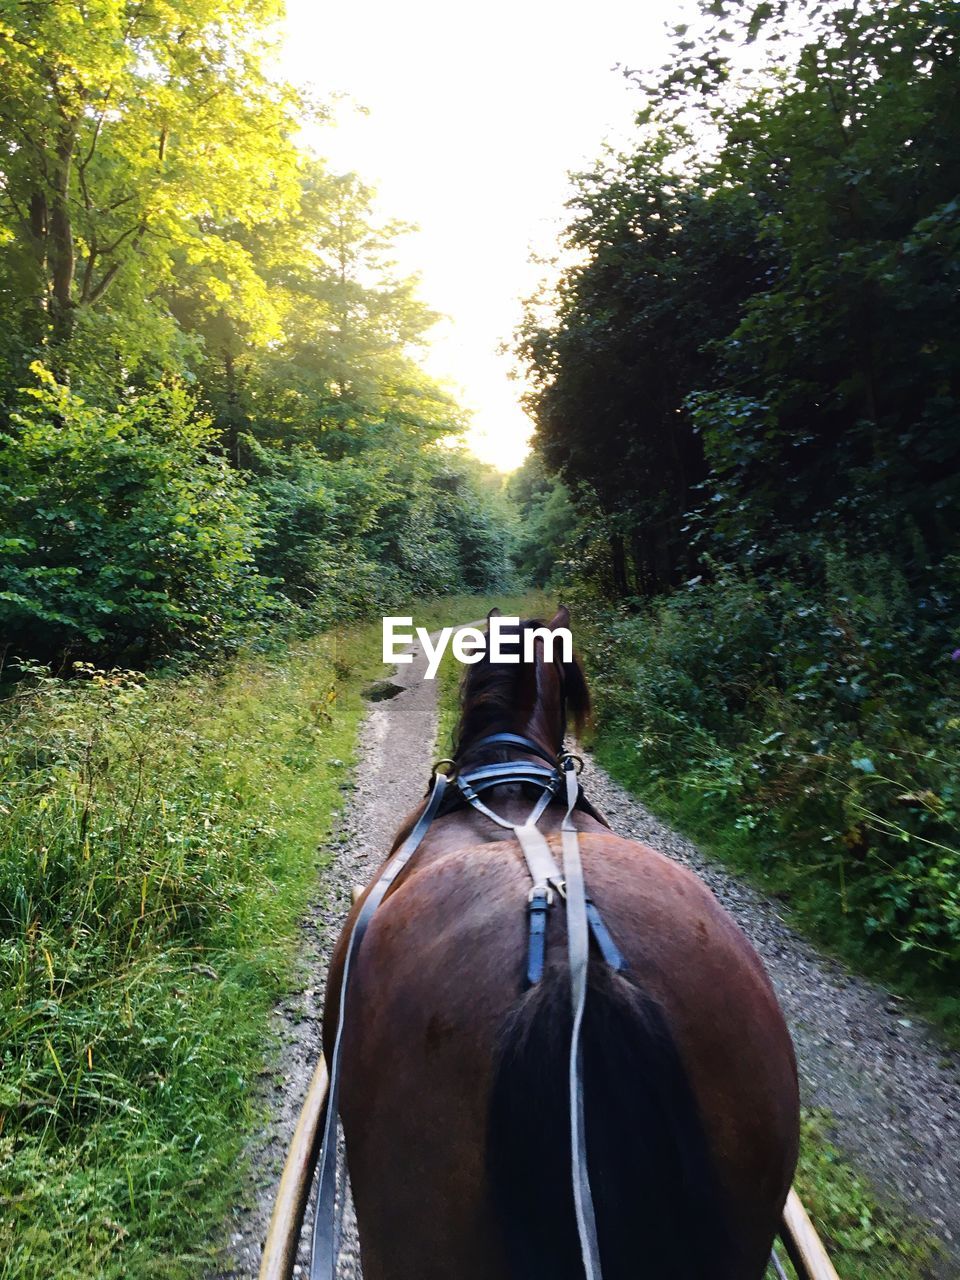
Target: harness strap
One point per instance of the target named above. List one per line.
(582, 920)
(601, 936)
(541, 864)
(513, 740)
(549, 783)
(538, 905)
(323, 1256)
(578, 951)
(491, 775)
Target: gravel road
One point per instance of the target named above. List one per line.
(893, 1089)
(395, 755)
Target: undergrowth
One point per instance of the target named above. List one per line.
(160, 840)
(812, 743)
(867, 1239)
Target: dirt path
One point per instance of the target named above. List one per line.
(895, 1092)
(395, 755)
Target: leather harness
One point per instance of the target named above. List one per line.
(549, 883)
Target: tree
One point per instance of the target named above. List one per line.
(756, 353)
(164, 241)
(123, 531)
(665, 266)
(835, 405)
(130, 133)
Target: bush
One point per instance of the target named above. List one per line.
(344, 537)
(122, 531)
(826, 720)
(318, 516)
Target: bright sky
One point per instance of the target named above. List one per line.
(476, 114)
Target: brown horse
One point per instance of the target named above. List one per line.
(454, 1093)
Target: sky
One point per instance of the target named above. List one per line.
(473, 117)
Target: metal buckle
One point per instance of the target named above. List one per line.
(575, 760)
(540, 888)
(448, 772)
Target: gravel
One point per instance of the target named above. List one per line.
(395, 754)
(892, 1088)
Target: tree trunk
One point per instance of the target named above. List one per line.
(61, 255)
(36, 318)
(231, 434)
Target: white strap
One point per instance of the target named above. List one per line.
(578, 948)
(323, 1250)
(541, 863)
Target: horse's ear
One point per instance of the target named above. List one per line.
(560, 619)
(494, 613)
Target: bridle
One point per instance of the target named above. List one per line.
(557, 777)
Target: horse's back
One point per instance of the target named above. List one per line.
(438, 975)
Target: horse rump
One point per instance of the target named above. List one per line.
(657, 1201)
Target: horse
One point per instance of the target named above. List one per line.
(454, 1097)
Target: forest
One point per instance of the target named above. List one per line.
(213, 417)
(746, 386)
(221, 460)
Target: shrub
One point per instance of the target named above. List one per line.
(122, 530)
(826, 719)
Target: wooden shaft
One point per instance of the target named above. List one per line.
(283, 1238)
(804, 1246)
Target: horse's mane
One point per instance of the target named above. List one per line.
(491, 693)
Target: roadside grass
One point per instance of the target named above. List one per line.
(867, 1237)
(161, 838)
(809, 899)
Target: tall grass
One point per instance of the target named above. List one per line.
(160, 839)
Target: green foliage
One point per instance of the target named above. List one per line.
(121, 529)
(156, 854)
(374, 528)
(131, 139)
(547, 521)
(836, 401)
(795, 719)
(757, 342)
(664, 269)
(159, 228)
(866, 1239)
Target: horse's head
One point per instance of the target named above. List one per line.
(535, 698)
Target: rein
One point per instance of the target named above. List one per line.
(549, 883)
